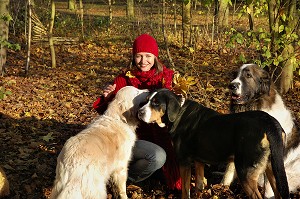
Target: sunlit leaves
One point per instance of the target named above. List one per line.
(260, 8)
(186, 2)
(6, 17)
(181, 84)
(248, 10)
(242, 58)
(4, 93)
(269, 45)
(9, 45)
(283, 17)
(295, 62)
(191, 50)
(235, 37)
(239, 38)
(281, 28)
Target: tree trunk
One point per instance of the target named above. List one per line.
(29, 8)
(250, 13)
(186, 21)
(175, 17)
(151, 13)
(286, 79)
(4, 23)
(51, 44)
(81, 17)
(223, 14)
(71, 4)
(130, 9)
(283, 71)
(110, 15)
(164, 32)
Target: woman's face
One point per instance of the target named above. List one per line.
(144, 61)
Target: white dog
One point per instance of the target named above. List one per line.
(100, 152)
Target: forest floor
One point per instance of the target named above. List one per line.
(49, 105)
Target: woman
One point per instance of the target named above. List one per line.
(153, 149)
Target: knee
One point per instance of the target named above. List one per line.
(160, 158)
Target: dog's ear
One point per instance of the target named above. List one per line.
(265, 82)
(173, 108)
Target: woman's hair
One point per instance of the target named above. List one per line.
(157, 64)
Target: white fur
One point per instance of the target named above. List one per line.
(292, 169)
(100, 152)
(238, 80)
(279, 111)
(146, 109)
(292, 161)
(145, 113)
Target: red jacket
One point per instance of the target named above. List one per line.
(150, 132)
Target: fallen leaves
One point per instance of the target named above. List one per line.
(51, 105)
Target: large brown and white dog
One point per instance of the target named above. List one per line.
(253, 139)
(100, 152)
(253, 89)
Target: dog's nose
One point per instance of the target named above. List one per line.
(234, 85)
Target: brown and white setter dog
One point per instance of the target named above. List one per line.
(253, 89)
(100, 152)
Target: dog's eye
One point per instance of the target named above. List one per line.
(248, 75)
(234, 74)
(154, 103)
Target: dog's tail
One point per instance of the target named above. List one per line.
(277, 154)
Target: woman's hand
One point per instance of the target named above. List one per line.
(108, 90)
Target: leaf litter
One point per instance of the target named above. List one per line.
(50, 105)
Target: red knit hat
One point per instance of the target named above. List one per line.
(145, 43)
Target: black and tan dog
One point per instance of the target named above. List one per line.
(253, 140)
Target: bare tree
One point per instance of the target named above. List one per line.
(29, 8)
(130, 9)
(81, 17)
(4, 23)
(250, 13)
(51, 43)
(223, 13)
(72, 4)
(186, 21)
(164, 32)
(175, 17)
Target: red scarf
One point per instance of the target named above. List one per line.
(148, 79)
